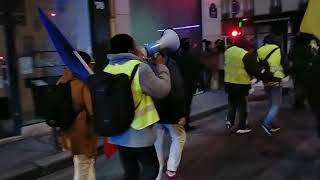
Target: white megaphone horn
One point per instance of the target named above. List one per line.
(170, 40)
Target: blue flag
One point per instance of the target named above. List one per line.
(69, 56)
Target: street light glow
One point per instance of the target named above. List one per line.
(234, 33)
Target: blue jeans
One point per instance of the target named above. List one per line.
(275, 99)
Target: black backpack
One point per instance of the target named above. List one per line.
(175, 99)
(113, 103)
(258, 68)
(60, 111)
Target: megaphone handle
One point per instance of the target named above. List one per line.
(152, 48)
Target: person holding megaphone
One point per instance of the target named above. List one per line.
(136, 145)
(172, 115)
(171, 109)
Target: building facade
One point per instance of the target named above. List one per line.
(88, 25)
(36, 64)
(261, 17)
(35, 61)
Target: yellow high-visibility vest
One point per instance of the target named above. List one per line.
(234, 67)
(274, 60)
(146, 113)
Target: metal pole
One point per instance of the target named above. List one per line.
(14, 94)
(99, 11)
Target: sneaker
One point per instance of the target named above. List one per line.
(229, 125)
(244, 130)
(171, 175)
(275, 129)
(267, 130)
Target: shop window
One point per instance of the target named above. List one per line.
(235, 8)
(213, 11)
(275, 6)
(225, 9)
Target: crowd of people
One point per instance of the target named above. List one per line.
(162, 92)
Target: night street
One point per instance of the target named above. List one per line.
(210, 154)
(77, 76)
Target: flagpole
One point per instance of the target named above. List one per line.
(83, 63)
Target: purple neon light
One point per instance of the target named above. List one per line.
(179, 28)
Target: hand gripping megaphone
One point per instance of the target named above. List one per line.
(170, 40)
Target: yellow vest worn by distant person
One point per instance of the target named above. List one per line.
(145, 113)
(274, 60)
(235, 72)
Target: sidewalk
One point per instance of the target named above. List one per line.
(36, 156)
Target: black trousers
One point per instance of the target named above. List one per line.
(314, 101)
(316, 112)
(299, 94)
(189, 93)
(237, 103)
(139, 163)
(221, 79)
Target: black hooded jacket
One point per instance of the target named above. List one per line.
(172, 107)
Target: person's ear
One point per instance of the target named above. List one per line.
(131, 51)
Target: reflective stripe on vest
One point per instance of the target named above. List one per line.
(274, 60)
(234, 67)
(146, 113)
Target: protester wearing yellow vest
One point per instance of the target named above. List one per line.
(136, 145)
(273, 86)
(237, 85)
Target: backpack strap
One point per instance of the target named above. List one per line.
(83, 106)
(134, 71)
(133, 74)
(274, 50)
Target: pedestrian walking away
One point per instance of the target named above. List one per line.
(237, 85)
(80, 137)
(270, 53)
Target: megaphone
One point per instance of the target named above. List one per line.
(170, 40)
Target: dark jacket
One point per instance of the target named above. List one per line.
(190, 68)
(300, 56)
(172, 107)
(312, 72)
(311, 85)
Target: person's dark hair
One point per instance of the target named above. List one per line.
(121, 43)
(303, 39)
(185, 44)
(219, 44)
(85, 56)
(270, 39)
(242, 42)
(207, 42)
